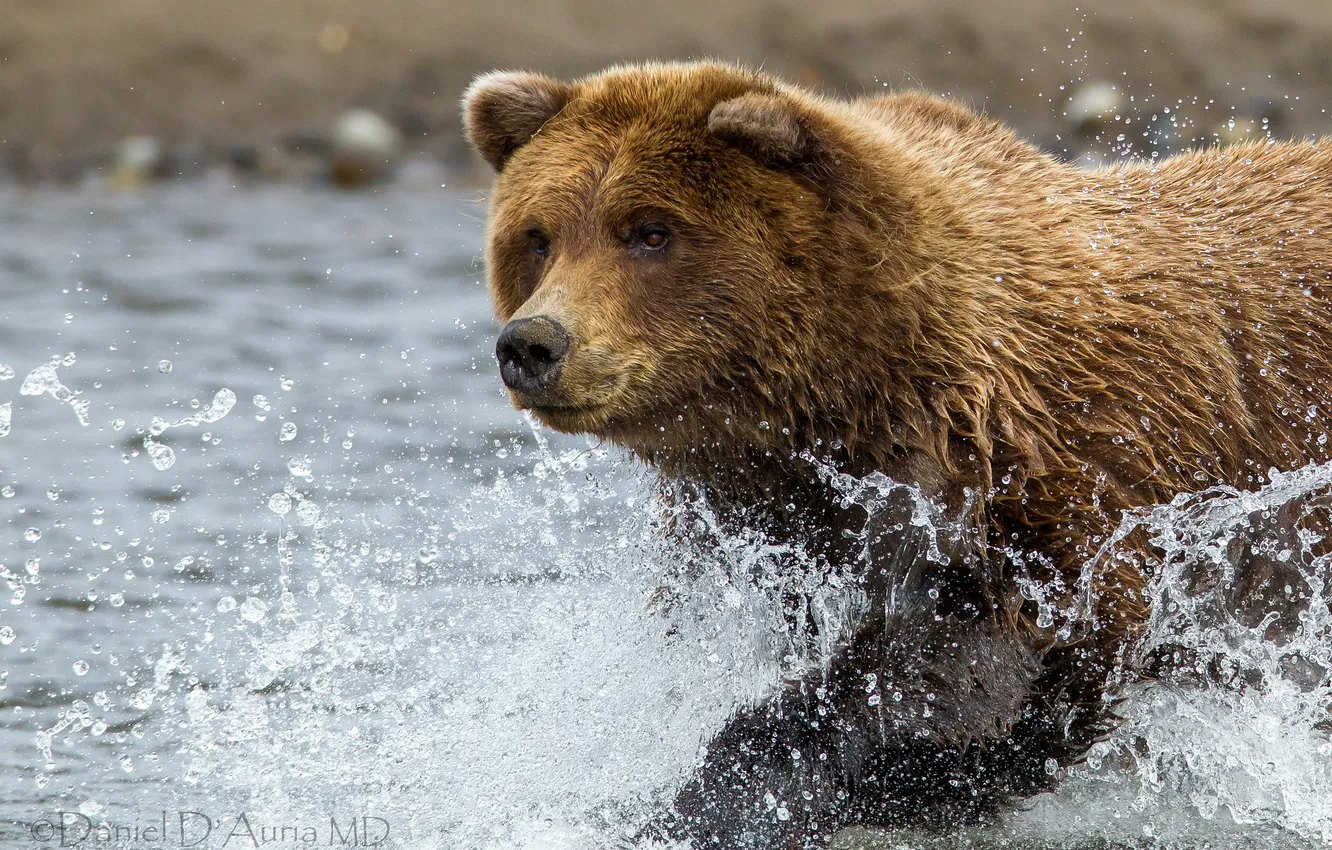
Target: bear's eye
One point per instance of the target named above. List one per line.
(652, 236)
(539, 243)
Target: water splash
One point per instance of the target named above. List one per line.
(45, 380)
(223, 401)
(1237, 728)
(543, 659)
(162, 455)
(1226, 744)
(548, 693)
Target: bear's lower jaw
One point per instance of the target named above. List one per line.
(583, 399)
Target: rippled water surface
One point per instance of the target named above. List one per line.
(276, 545)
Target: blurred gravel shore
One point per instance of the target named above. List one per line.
(253, 84)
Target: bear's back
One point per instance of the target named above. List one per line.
(1169, 319)
(1238, 238)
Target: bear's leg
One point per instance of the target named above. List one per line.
(912, 725)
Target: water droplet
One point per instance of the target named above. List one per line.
(287, 432)
(80, 667)
(116, 600)
(45, 380)
(7, 635)
(342, 593)
(223, 400)
(6, 417)
(253, 609)
(307, 513)
(32, 535)
(279, 503)
(164, 366)
(163, 456)
(53, 494)
(7, 491)
(40, 380)
(287, 383)
(301, 467)
(98, 727)
(6, 372)
(117, 424)
(161, 515)
(225, 604)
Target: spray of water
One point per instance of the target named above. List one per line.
(537, 665)
(566, 650)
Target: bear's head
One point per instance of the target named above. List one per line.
(689, 256)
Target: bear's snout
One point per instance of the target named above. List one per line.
(531, 354)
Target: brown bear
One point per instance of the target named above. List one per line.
(730, 276)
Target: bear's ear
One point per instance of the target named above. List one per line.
(503, 110)
(765, 127)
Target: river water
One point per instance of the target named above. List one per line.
(282, 562)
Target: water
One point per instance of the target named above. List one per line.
(278, 552)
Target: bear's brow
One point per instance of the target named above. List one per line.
(596, 176)
(610, 179)
(581, 189)
(619, 173)
(644, 162)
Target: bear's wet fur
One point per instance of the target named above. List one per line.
(728, 274)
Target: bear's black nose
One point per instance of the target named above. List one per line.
(531, 352)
